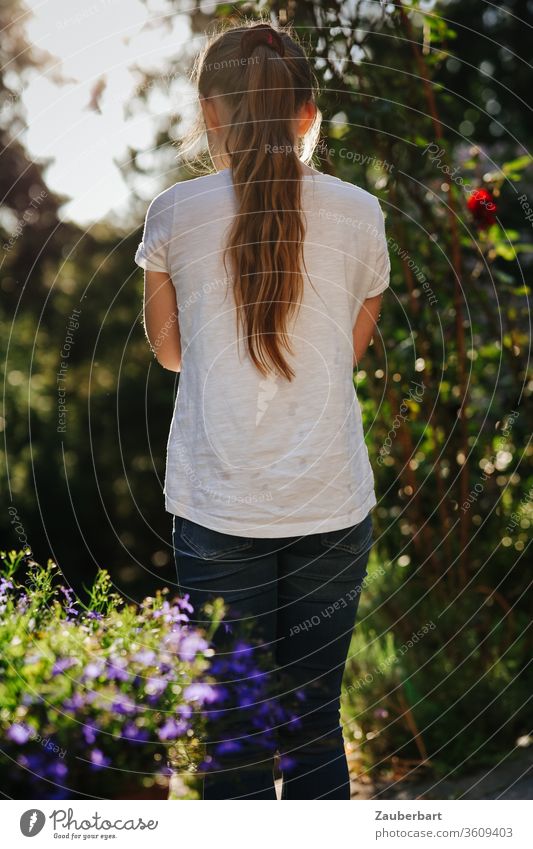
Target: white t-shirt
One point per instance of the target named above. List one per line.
(258, 457)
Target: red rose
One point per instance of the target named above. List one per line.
(481, 205)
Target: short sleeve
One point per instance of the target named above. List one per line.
(381, 270)
(152, 253)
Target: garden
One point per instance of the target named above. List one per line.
(105, 686)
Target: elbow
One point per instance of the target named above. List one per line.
(168, 360)
(171, 365)
(166, 349)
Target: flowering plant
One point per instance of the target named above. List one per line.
(481, 205)
(110, 699)
(95, 698)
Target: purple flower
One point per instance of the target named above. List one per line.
(4, 586)
(207, 764)
(116, 669)
(171, 729)
(23, 603)
(179, 620)
(133, 732)
(172, 641)
(69, 602)
(123, 705)
(166, 770)
(203, 693)
(57, 770)
(89, 732)
(93, 669)
(156, 686)
(294, 723)
(191, 645)
(31, 762)
(44, 766)
(62, 664)
(163, 611)
(184, 604)
(75, 703)
(228, 747)
(222, 694)
(145, 656)
(218, 667)
(19, 733)
(244, 650)
(287, 763)
(98, 759)
(185, 711)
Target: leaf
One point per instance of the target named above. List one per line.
(506, 252)
(509, 252)
(517, 164)
(503, 277)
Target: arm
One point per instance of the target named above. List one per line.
(379, 268)
(161, 319)
(364, 327)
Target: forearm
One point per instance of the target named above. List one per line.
(365, 327)
(165, 342)
(161, 323)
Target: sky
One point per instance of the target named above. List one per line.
(91, 39)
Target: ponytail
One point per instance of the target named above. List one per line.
(264, 81)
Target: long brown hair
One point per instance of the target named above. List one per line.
(263, 92)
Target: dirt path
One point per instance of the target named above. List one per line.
(512, 778)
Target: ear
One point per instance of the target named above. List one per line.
(210, 113)
(306, 117)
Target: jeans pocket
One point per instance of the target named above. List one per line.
(356, 540)
(209, 544)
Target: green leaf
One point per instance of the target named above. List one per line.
(517, 164)
(505, 251)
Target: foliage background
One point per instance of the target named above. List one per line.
(398, 83)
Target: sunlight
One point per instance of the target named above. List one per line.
(94, 44)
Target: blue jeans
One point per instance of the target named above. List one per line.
(300, 596)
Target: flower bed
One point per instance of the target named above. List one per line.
(109, 699)
(96, 699)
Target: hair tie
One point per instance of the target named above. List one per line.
(261, 34)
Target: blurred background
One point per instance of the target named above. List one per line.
(424, 105)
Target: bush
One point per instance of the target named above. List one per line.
(96, 699)
(110, 699)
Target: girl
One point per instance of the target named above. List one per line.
(263, 285)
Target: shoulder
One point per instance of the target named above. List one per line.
(347, 196)
(341, 203)
(185, 189)
(194, 189)
(161, 206)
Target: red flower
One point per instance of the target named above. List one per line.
(481, 205)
